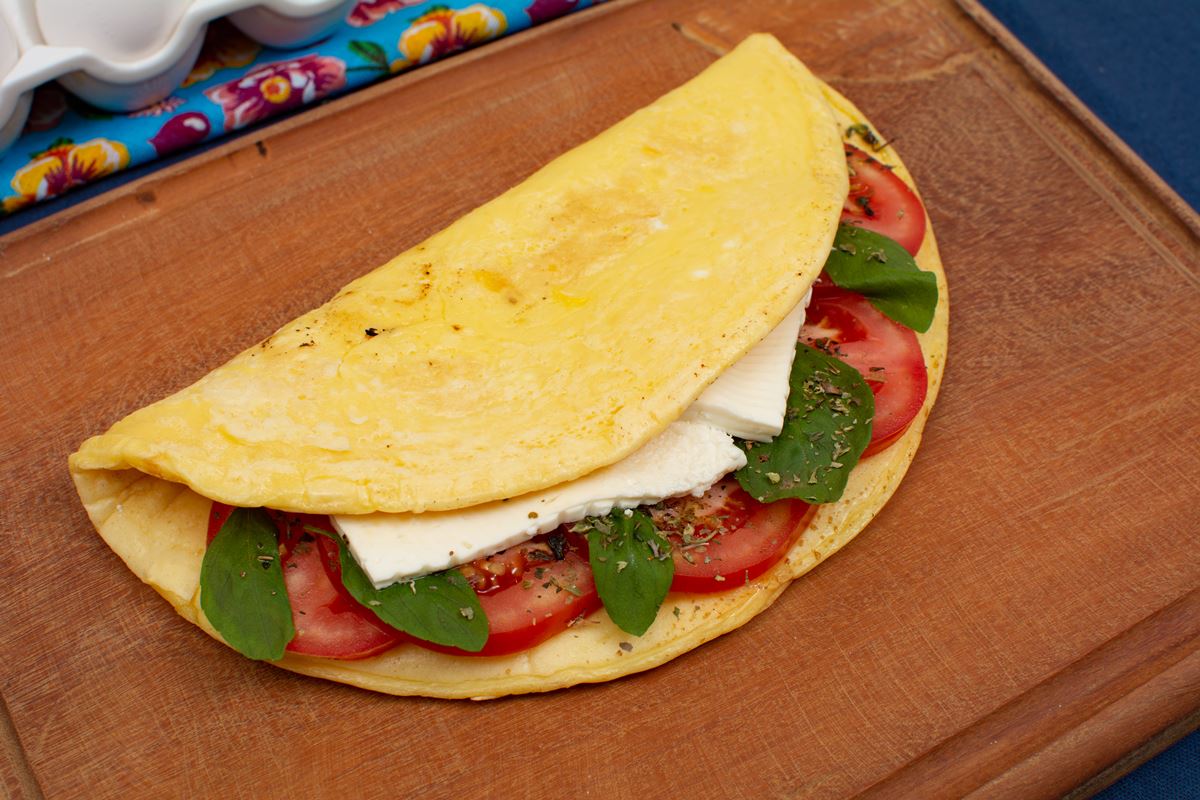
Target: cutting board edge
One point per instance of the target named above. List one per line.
(1012, 752)
(1060, 94)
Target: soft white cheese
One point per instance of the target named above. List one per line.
(749, 399)
(687, 457)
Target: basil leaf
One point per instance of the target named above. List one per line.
(441, 608)
(885, 273)
(825, 430)
(241, 586)
(632, 566)
(371, 52)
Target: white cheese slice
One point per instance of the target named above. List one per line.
(749, 399)
(688, 457)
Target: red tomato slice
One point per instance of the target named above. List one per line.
(886, 353)
(881, 202)
(529, 592)
(726, 538)
(329, 622)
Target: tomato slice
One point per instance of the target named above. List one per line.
(329, 621)
(886, 353)
(879, 201)
(726, 538)
(535, 590)
(530, 592)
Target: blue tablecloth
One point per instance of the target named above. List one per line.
(1133, 64)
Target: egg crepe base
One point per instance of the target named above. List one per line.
(642, 262)
(159, 528)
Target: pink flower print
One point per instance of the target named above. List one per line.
(541, 10)
(368, 12)
(181, 131)
(164, 106)
(269, 89)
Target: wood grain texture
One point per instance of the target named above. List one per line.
(1023, 612)
(1150, 180)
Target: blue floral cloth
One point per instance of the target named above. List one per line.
(237, 82)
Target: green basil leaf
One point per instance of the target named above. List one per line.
(825, 430)
(885, 273)
(441, 608)
(370, 51)
(632, 566)
(241, 586)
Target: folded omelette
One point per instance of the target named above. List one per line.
(635, 268)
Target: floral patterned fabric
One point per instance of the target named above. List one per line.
(237, 82)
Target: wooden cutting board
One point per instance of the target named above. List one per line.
(1023, 614)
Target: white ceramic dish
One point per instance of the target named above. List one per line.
(14, 106)
(290, 23)
(123, 55)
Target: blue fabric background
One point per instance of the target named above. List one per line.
(363, 49)
(1173, 773)
(1134, 64)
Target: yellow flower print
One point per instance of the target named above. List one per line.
(224, 46)
(443, 31)
(276, 89)
(64, 166)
